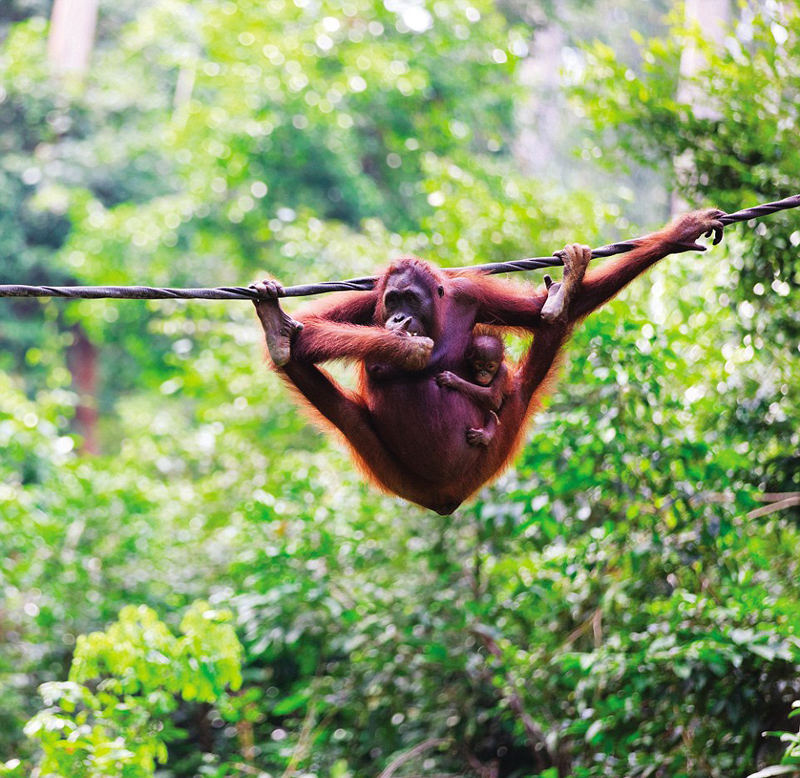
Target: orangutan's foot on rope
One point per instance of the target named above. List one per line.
(279, 327)
(559, 296)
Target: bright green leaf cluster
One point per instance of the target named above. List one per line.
(113, 716)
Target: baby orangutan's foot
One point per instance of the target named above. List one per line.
(279, 327)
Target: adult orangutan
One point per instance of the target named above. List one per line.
(405, 429)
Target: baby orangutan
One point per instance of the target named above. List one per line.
(492, 381)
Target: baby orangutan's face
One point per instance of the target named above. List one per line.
(484, 371)
(485, 356)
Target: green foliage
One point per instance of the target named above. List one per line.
(790, 764)
(138, 671)
(731, 127)
(733, 117)
(610, 585)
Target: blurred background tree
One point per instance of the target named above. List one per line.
(611, 606)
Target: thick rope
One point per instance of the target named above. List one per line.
(354, 284)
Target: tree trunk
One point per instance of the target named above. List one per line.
(69, 49)
(713, 17)
(72, 28)
(82, 363)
